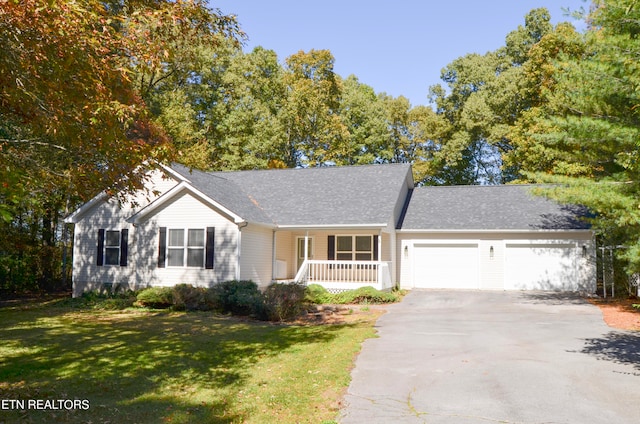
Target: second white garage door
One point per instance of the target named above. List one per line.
(446, 266)
(543, 266)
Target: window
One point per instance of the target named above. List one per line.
(354, 248)
(193, 247)
(189, 249)
(175, 249)
(112, 247)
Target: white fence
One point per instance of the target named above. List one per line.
(346, 275)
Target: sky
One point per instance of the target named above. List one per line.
(398, 47)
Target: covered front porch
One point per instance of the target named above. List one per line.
(337, 258)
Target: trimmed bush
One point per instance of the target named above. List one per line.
(156, 297)
(317, 294)
(189, 298)
(284, 301)
(238, 297)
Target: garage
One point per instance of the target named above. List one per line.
(504, 237)
(540, 266)
(446, 266)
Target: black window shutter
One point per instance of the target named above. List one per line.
(375, 248)
(100, 257)
(162, 247)
(331, 250)
(124, 246)
(210, 248)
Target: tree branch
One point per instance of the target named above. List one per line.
(33, 141)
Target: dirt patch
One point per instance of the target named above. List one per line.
(340, 314)
(619, 313)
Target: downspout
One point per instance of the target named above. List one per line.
(239, 248)
(394, 257)
(380, 274)
(273, 256)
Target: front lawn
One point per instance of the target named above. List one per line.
(154, 367)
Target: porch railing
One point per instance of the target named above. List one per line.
(346, 275)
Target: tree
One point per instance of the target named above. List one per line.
(591, 126)
(486, 95)
(179, 72)
(311, 113)
(363, 114)
(540, 74)
(95, 129)
(75, 77)
(251, 134)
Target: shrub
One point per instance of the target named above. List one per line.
(315, 293)
(189, 298)
(318, 294)
(284, 301)
(365, 295)
(101, 300)
(238, 297)
(156, 297)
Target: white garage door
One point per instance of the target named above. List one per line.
(543, 266)
(453, 266)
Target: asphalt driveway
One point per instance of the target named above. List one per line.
(495, 357)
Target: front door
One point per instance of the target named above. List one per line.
(300, 253)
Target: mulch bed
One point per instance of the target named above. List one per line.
(619, 313)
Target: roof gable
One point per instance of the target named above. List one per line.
(504, 207)
(183, 187)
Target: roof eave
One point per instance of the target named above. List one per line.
(495, 230)
(373, 226)
(75, 216)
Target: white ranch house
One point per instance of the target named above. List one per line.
(341, 227)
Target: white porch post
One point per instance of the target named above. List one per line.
(394, 257)
(306, 245)
(380, 258)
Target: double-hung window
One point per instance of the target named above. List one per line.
(192, 248)
(354, 248)
(112, 247)
(195, 248)
(186, 247)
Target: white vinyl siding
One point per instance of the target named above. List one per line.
(111, 215)
(256, 254)
(491, 264)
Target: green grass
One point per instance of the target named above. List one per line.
(155, 367)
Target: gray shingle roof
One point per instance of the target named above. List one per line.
(505, 207)
(225, 192)
(364, 195)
